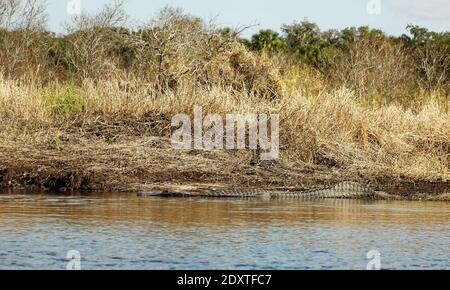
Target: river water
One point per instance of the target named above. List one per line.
(127, 232)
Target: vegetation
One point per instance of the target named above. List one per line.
(354, 103)
(379, 67)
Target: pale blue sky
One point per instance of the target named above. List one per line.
(394, 16)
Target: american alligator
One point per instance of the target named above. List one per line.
(343, 190)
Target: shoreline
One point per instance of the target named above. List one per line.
(149, 163)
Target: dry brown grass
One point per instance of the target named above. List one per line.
(108, 131)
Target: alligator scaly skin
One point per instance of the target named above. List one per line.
(343, 190)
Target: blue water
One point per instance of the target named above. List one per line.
(127, 232)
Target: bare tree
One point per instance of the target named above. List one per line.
(111, 15)
(176, 49)
(90, 40)
(435, 66)
(23, 14)
(374, 69)
(8, 12)
(22, 47)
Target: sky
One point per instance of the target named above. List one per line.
(392, 16)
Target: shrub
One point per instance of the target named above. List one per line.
(268, 41)
(64, 101)
(431, 57)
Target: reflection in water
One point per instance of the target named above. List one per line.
(126, 232)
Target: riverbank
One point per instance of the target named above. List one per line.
(149, 163)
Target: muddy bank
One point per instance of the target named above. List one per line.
(68, 181)
(150, 163)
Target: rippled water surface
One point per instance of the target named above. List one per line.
(127, 232)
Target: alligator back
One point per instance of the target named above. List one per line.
(343, 190)
(238, 193)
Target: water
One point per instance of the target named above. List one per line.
(127, 232)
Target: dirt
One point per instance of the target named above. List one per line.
(149, 163)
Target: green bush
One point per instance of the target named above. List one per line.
(268, 41)
(65, 101)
